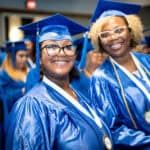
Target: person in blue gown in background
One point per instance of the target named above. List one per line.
(30, 41)
(13, 73)
(53, 115)
(12, 80)
(32, 79)
(120, 87)
(88, 59)
(144, 46)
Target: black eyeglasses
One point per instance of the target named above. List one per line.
(53, 49)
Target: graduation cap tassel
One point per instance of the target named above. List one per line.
(13, 55)
(37, 54)
(84, 52)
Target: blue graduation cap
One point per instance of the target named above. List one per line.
(2, 49)
(83, 46)
(13, 47)
(110, 8)
(57, 19)
(29, 37)
(56, 27)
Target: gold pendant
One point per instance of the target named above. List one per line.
(147, 116)
(107, 142)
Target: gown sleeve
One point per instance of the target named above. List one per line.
(29, 127)
(105, 99)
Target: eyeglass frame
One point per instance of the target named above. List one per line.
(59, 49)
(111, 32)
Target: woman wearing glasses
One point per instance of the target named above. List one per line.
(52, 115)
(121, 86)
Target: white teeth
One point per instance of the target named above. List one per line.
(60, 62)
(116, 46)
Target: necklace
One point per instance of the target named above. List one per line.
(77, 105)
(73, 93)
(123, 94)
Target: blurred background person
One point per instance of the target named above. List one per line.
(144, 46)
(13, 74)
(88, 59)
(30, 40)
(12, 79)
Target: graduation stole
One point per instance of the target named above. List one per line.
(14, 73)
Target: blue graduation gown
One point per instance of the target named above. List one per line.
(1, 126)
(32, 79)
(106, 94)
(82, 84)
(12, 90)
(43, 119)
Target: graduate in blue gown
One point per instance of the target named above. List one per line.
(14, 71)
(12, 80)
(121, 86)
(88, 60)
(53, 115)
(144, 46)
(30, 41)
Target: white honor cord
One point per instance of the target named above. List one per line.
(73, 101)
(133, 78)
(137, 63)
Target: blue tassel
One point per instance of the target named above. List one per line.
(37, 55)
(82, 62)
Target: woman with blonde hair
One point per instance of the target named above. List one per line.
(121, 86)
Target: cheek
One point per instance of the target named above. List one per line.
(73, 59)
(128, 38)
(103, 43)
(18, 59)
(44, 58)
